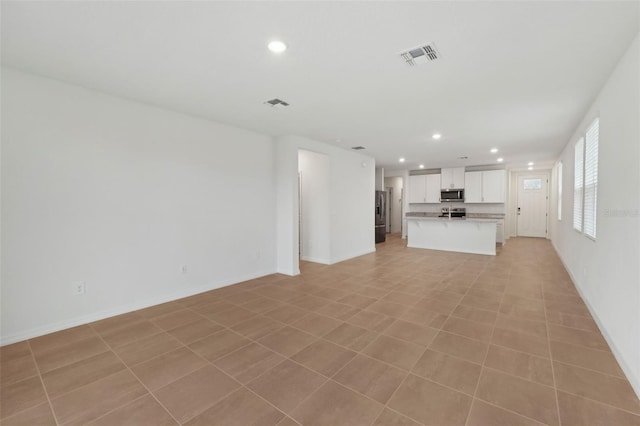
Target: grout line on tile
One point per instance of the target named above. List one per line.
(336, 373)
(139, 381)
(508, 410)
(553, 370)
(591, 370)
(637, 414)
(44, 388)
(484, 361)
(117, 408)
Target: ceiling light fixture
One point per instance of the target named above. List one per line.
(494, 150)
(277, 46)
(530, 168)
(500, 160)
(421, 166)
(436, 136)
(401, 160)
(530, 163)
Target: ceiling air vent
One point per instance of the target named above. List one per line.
(276, 103)
(357, 148)
(421, 55)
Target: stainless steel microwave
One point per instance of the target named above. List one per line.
(451, 195)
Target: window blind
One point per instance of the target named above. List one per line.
(560, 190)
(578, 184)
(591, 179)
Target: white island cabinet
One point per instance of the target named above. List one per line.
(460, 235)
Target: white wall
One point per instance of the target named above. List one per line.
(120, 194)
(379, 184)
(351, 188)
(606, 271)
(395, 202)
(315, 224)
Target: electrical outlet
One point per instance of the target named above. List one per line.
(183, 269)
(78, 288)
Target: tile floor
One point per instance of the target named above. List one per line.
(399, 337)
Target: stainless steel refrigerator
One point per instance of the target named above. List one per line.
(380, 216)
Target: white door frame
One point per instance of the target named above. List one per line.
(389, 208)
(516, 177)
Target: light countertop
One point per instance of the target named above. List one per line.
(440, 219)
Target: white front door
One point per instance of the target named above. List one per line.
(532, 205)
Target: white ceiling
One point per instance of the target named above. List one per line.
(513, 75)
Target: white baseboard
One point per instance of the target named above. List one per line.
(628, 371)
(289, 272)
(315, 259)
(85, 319)
(352, 255)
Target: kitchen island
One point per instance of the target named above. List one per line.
(461, 235)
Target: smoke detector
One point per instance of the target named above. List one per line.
(276, 103)
(421, 55)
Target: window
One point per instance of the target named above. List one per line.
(591, 179)
(560, 190)
(585, 185)
(578, 184)
(532, 184)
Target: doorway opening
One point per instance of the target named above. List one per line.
(314, 219)
(394, 187)
(388, 196)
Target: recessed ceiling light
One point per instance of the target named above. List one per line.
(401, 160)
(530, 163)
(436, 136)
(530, 168)
(500, 160)
(277, 46)
(421, 166)
(494, 150)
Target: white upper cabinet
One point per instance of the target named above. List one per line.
(485, 187)
(493, 186)
(417, 189)
(452, 178)
(424, 189)
(433, 188)
(473, 187)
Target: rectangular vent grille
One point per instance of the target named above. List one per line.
(357, 148)
(276, 103)
(420, 55)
